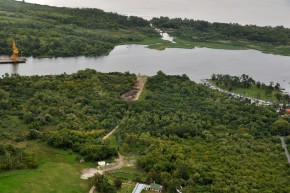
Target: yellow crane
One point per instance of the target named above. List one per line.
(15, 52)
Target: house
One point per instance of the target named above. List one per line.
(155, 187)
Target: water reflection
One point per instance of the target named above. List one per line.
(15, 67)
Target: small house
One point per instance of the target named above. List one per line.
(155, 187)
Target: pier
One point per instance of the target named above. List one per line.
(7, 60)
(13, 59)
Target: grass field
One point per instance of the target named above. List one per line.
(58, 172)
(255, 92)
(126, 188)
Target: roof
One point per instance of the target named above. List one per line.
(155, 186)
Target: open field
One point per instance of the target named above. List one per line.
(58, 172)
(255, 92)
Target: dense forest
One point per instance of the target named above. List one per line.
(267, 39)
(185, 135)
(50, 31)
(198, 140)
(175, 105)
(67, 111)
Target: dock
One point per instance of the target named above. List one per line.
(10, 61)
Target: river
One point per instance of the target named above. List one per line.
(259, 12)
(198, 63)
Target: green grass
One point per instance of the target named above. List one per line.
(58, 172)
(126, 176)
(129, 173)
(146, 191)
(255, 92)
(131, 170)
(145, 93)
(126, 188)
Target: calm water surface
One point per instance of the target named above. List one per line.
(260, 12)
(198, 63)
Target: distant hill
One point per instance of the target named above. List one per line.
(41, 30)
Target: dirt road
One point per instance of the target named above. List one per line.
(142, 81)
(135, 92)
(285, 148)
(90, 172)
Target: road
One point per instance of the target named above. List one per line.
(142, 81)
(285, 148)
(90, 172)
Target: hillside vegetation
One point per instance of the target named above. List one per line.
(45, 31)
(198, 140)
(50, 31)
(183, 135)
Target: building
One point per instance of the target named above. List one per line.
(287, 111)
(155, 187)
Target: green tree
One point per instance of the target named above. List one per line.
(118, 183)
(281, 127)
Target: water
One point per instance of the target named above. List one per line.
(259, 12)
(198, 63)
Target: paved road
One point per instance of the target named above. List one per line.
(285, 148)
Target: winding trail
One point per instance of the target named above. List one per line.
(285, 148)
(139, 86)
(120, 161)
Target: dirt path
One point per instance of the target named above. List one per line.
(134, 94)
(109, 134)
(142, 80)
(92, 190)
(131, 95)
(285, 148)
(90, 172)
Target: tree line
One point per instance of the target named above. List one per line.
(199, 30)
